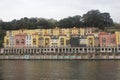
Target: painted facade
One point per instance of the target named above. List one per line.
(54, 41)
(20, 40)
(96, 39)
(64, 37)
(90, 40)
(28, 40)
(117, 34)
(47, 41)
(90, 30)
(107, 39)
(83, 41)
(6, 41)
(74, 31)
(82, 31)
(35, 40)
(56, 31)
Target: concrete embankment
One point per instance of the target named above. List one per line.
(63, 56)
(61, 53)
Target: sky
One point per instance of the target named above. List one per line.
(57, 9)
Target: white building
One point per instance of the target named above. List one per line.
(28, 41)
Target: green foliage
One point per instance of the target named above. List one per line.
(26, 23)
(46, 23)
(2, 34)
(95, 18)
(70, 22)
(116, 25)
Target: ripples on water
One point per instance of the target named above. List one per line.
(59, 70)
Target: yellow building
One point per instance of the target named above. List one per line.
(6, 41)
(58, 41)
(47, 31)
(48, 37)
(62, 41)
(47, 40)
(74, 31)
(90, 40)
(117, 34)
(65, 32)
(56, 31)
(82, 31)
(30, 32)
(15, 32)
(9, 39)
(41, 41)
(35, 40)
(83, 41)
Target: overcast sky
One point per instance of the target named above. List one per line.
(57, 9)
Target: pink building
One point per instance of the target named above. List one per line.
(19, 40)
(107, 39)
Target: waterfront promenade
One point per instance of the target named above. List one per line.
(61, 53)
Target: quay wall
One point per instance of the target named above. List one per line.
(61, 53)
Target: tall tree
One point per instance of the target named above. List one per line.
(107, 20)
(95, 18)
(70, 22)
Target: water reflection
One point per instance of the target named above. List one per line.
(59, 70)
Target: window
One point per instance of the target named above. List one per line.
(112, 40)
(22, 41)
(62, 41)
(90, 41)
(17, 41)
(7, 42)
(46, 41)
(103, 40)
(34, 41)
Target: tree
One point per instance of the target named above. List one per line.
(70, 22)
(2, 34)
(107, 20)
(95, 18)
(116, 25)
(44, 24)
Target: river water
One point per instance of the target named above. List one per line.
(59, 70)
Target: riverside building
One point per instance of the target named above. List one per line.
(61, 37)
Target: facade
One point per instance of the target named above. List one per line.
(65, 37)
(20, 40)
(96, 39)
(47, 31)
(90, 40)
(107, 39)
(54, 41)
(56, 31)
(83, 41)
(28, 40)
(35, 40)
(6, 41)
(74, 31)
(82, 31)
(41, 40)
(47, 41)
(62, 41)
(90, 30)
(9, 39)
(117, 34)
